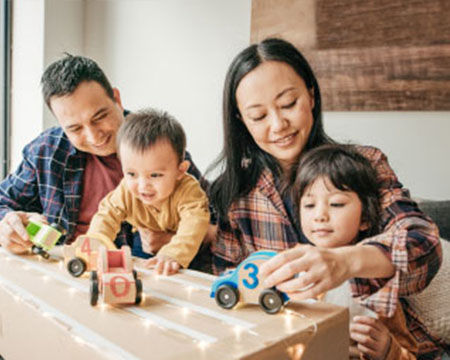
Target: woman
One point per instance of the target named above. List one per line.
(272, 114)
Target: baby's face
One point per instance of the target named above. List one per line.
(152, 175)
(330, 217)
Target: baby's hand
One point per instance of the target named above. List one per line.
(373, 338)
(163, 265)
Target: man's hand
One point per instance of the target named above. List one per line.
(152, 241)
(13, 235)
(163, 265)
(372, 336)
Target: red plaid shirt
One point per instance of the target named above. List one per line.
(410, 239)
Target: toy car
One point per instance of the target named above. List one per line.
(43, 236)
(243, 284)
(115, 278)
(81, 255)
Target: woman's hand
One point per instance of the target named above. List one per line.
(372, 336)
(320, 270)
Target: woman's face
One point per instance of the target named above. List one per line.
(276, 107)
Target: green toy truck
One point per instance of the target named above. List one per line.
(43, 236)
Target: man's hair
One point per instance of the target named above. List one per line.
(348, 170)
(63, 76)
(144, 128)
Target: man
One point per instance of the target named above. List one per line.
(68, 169)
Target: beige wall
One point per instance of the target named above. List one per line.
(173, 54)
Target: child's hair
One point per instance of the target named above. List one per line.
(144, 128)
(347, 170)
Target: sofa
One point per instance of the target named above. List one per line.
(433, 304)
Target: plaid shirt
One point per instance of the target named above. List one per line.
(410, 239)
(49, 181)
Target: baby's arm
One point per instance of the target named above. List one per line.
(192, 209)
(106, 222)
(375, 341)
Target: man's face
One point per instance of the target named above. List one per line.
(90, 118)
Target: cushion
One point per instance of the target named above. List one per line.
(433, 304)
(439, 211)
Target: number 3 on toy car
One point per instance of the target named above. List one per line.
(252, 275)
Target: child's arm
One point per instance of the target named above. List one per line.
(192, 207)
(105, 224)
(375, 341)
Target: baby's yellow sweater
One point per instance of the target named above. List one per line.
(185, 213)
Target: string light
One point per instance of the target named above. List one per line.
(202, 345)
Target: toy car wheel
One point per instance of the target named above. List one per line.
(35, 250)
(271, 301)
(93, 290)
(44, 254)
(138, 291)
(76, 267)
(227, 296)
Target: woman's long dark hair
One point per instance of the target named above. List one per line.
(241, 160)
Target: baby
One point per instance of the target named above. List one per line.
(156, 193)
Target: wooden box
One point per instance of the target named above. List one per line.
(45, 313)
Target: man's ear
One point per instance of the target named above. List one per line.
(183, 167)
(116, 95)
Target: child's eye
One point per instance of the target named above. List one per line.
(288, 106)
(156, 175)
(336, 204)
(131, 174)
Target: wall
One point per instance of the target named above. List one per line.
(42, 31)
(173, 54)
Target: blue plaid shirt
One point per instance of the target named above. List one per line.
(49, 181)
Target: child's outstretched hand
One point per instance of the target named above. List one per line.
(163, 265)
(372, 337)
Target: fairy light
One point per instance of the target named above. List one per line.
(238, 331)
(186, 311)
(71, 290)
(202, 345)
(103, 306)
(147, 323)
(46, 278)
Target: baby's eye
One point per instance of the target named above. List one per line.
(156, 175)
(131, 174)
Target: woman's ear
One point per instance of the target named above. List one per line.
(311, 97)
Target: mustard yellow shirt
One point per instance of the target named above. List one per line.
(185, 213)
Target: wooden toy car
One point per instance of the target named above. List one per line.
(243, 284)
(81, 255)
(43, 236)
(115, 278)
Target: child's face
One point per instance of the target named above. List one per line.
(330, 217)
(152, 175)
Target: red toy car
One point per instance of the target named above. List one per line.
(115, 278)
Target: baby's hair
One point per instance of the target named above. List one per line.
(144, 128)
(348, 170)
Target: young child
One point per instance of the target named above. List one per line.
(339, 206)
(156, 193)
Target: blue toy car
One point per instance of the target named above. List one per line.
(243, 284)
